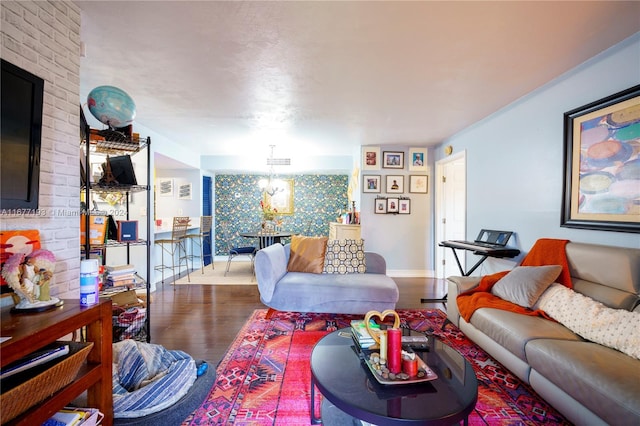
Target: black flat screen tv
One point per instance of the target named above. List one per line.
(20, 139)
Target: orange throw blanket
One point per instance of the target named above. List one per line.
(545, 251)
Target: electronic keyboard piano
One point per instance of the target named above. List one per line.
(491, 250)
(488, 243)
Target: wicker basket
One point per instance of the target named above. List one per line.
(49, 378)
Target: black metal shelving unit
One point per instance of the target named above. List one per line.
(117, 143)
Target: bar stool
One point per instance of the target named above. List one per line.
(175, 245)
(201, 238)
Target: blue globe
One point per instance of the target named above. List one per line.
(112, 106)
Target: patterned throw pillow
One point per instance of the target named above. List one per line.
(345, 257)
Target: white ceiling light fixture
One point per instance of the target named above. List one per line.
(272, 186)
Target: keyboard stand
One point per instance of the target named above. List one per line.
(484, 256)
(443, 299)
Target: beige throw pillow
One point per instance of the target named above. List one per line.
(307, 254)
(524, 284)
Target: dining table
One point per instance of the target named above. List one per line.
(277, 235)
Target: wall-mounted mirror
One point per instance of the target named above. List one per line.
(282, 201)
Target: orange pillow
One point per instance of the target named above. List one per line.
(307, 254)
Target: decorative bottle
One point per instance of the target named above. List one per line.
(89, 282)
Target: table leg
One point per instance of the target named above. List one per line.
(314, 420)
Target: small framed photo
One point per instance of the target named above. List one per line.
(370, 183)
(395, 184)
(371, 158)
(392, 205)
(393, 160)
(418, 183)
(96, 172)
(404, 206)
(380, 206)
(417, 159)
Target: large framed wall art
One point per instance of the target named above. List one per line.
(602, 164)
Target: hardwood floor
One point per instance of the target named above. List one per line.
(203, 320)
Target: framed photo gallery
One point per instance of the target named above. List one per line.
(392, 205)
(394, 184)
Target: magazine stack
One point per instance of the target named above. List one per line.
(361, 335)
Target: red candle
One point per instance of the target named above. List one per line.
(394, 350)
(410, 366)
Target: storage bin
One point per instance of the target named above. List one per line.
(26, 389)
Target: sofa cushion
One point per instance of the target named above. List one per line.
(345, 257)
(307, 254)
(601, 378)
(338, 293)
(524, 284)
(513, 331)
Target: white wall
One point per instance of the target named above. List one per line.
(168, 207)
(44, 39)
(515, 156)
(405, 241)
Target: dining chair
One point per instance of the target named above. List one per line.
(201, 238)
(175, 246)
(233, 251)
(265, 240)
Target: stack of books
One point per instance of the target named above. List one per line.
(48, 353)
(361, 335)
(120, 276)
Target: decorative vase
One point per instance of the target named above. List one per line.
(268, 225)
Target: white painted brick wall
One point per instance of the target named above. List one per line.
(44, 39)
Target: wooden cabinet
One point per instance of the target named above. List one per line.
(339, 231)
(31, 331)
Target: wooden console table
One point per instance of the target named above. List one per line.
(31, 331)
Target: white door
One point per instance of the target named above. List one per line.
(451, 212)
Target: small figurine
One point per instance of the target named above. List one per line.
(29, 275)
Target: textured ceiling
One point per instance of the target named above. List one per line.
(230, 78)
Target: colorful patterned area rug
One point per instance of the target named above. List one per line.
(264, 378)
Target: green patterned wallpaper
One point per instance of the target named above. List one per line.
(317, 200)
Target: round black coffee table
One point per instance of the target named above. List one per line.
(346, 382)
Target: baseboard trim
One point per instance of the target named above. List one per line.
(410, 273)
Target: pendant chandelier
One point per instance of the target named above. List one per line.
(271, 185)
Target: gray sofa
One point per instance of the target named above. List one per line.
(587, 382)
(351, 293)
